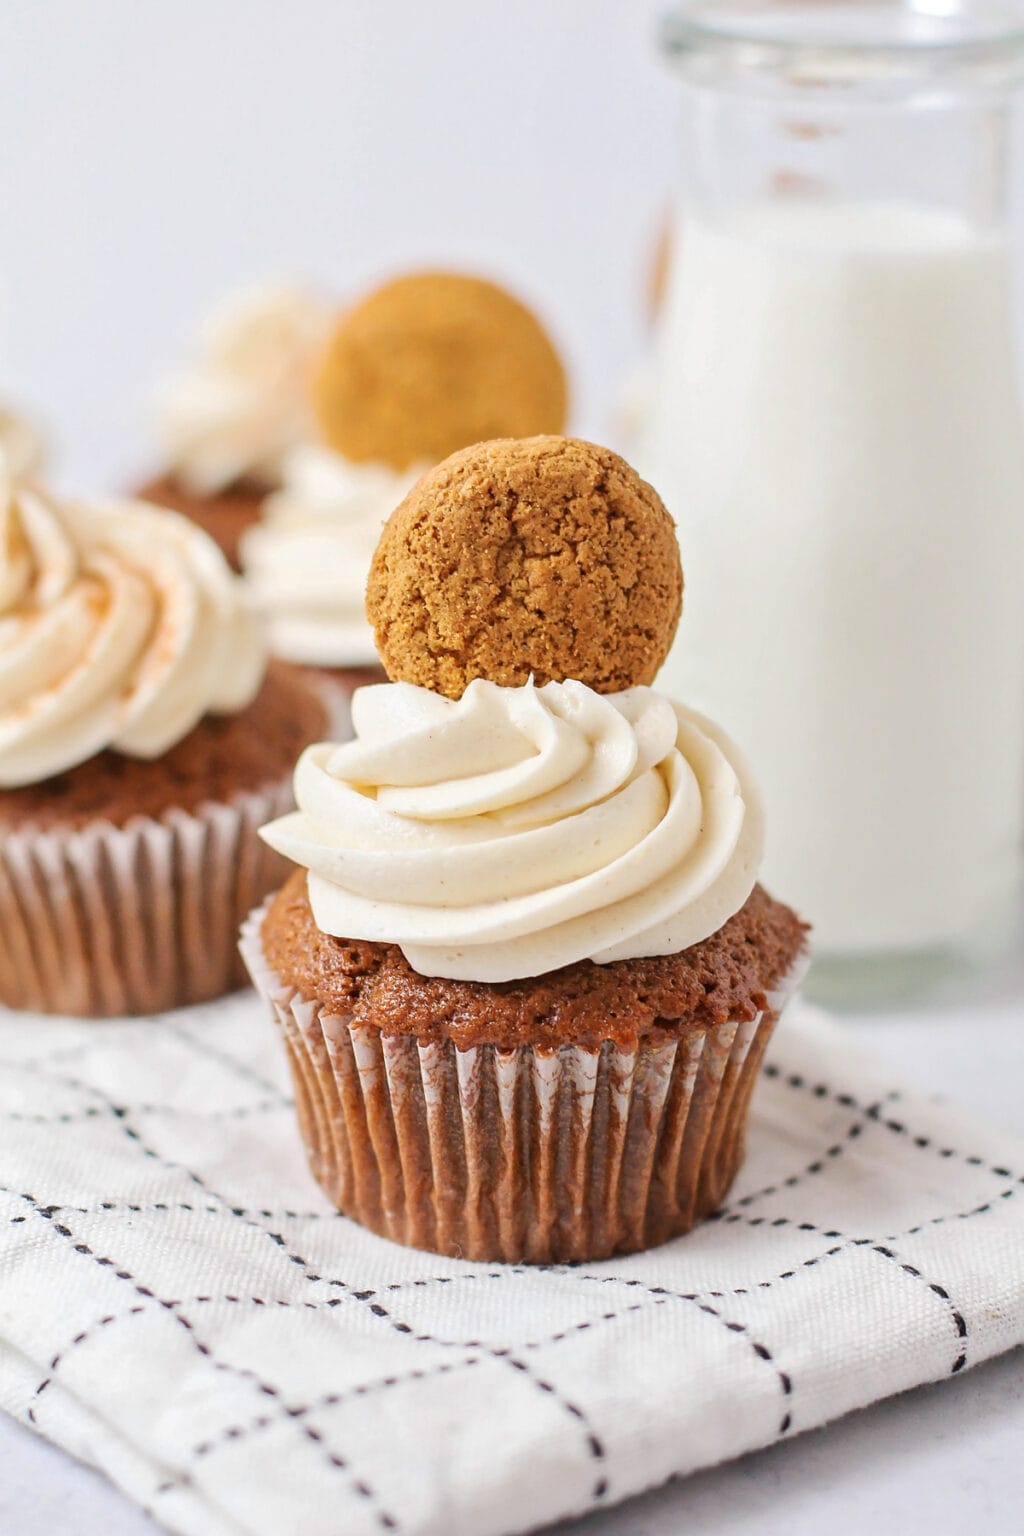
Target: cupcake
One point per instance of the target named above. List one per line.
(142, 744)
(227, 421)
(422, 366)
(524, 971)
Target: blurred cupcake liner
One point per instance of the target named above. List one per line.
(525, 1154)
(106, 920)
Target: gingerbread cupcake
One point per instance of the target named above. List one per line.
(228, 419)
(142, 744)
(418, 368)
(525, 973)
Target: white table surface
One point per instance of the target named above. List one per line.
(943, 1460)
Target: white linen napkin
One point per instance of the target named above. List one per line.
(180, 1307)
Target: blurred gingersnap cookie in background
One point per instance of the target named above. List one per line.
(431, 362)
(414, 370)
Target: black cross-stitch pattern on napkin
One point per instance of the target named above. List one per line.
(179, 1304)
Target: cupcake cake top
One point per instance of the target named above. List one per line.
(243, 401)
(433, 361)
(120, 627)
(518, 799)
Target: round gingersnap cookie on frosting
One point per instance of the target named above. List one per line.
(543, 556)
(433, 361)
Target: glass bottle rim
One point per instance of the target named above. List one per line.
(849, 41)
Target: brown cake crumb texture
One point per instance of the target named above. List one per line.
(724, 977)
(223, 756)
(544, 556)
(433, 361)
(225, 516)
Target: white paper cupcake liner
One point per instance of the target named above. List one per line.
(135, 919)
(523, 1155)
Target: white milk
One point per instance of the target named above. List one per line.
(837, 430)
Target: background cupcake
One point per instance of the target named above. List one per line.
(307, 559)
(142, 743)
(227, 420)
(529, 977)
(425, 364)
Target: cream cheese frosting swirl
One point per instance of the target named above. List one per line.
(120, 626)
(518, 830)
(308, 558)
(243, 404)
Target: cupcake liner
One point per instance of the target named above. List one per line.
(135, 919)
(523, 1155)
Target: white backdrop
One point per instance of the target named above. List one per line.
(155, 153)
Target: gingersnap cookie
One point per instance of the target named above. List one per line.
(434, 361)
(545, 556)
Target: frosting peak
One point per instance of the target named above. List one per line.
(120, 626)
(243, 403)
(518, 830)
(308, 557)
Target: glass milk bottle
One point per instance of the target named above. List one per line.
(837, 427)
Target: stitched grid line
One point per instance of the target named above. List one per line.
(797, 1081)
(64, 1054)
(168, 1207)
(820, 1163)
(956, 1314)
(510, 1355)
(848, 1241)
(269, 1389)
(760, 1350)
(236, 1432)
(94, 1111)
(660, 1294)
(594, 1444)
(119, 1114)
(79, 1085)
(265, 1420)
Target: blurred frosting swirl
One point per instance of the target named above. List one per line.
(120, 626)
(243, 403)
(308, 558)
(22, 450)
(517, 830)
